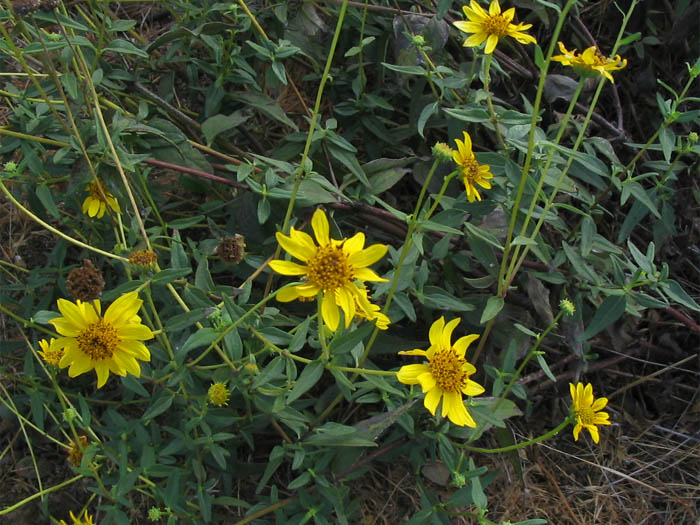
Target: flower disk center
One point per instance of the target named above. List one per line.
(470, 169)
(496, 25)
(586, 416)
(98, 340)
(329, 268)
(447, 370)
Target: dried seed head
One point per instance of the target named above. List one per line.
(86, 282)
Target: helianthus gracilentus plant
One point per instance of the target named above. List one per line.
(471, 171)
(446, 376)
(109, 343)
(333, 268)
(491, 26)
(590, 62)
(96, 203)
(587, 410)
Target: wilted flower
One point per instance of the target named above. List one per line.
(95, 204)
(85, 282)
(75, 452)
(143, 259)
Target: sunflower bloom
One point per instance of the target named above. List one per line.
(330, 269)
(446, 375)
(491, 26)
(85, 520)
(95, 204)
(109, 343)
(473, 173)
(587, 410)
(590, 62)
(50, 352)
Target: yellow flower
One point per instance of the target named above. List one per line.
(586, 409)
(108, 344)
(590, 62)
(49, 352)
(473, 173)
(330, 269)
(446, 375)
(95, 204)
(491, 26)
(86, 520)
(374, 314)
(218, 394)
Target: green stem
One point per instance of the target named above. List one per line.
(489, 102)
(517, 446)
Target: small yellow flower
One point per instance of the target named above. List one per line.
(49, 352)
(85, 520)
(567, 306)
(106, 344)
(446, 375)
(587, 410)
(473, 173)
(442, 152)
(219, 394)
(491, 26)
(590, 62)
(329, 269)
(95, 204)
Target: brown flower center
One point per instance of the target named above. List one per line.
(447, 370)
(329, 268)
(470, 170)
(98, 340)
(98, 192)
(496, 25)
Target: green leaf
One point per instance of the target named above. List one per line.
(337, 435)
(350, 339)
(436, 297)
(545, 367)
(170, 274)
(306, 380)
(667, 139)
(583, 269)
(159, 405)
(609, 311)
(642, 196)
(678, 294)
(46, 198)
(265, 105)
(522, 240)
(124, 47)
(493, 307)
(202, 337)
(428, 111)
(182, 321)
(218, 124)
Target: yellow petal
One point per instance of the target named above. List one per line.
(287, 267)
(446, 336)
(435, 332)
(432, 398)
(472, 388)
(368, 256)
(408, 374)
(491, 44)
(354, 244)
(463, 343)
(329, 311)
(319, 224)
(294, 246)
